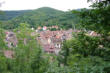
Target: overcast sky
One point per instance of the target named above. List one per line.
(34, 4)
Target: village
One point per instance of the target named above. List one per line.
(54, 36)
(50, 41)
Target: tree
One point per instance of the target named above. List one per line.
(90, 53)
(28, 57)
(28, 53)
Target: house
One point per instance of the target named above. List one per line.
(52, 40)
(11, 39)
(92, 33)
(44, 28)
(49, 48)
(8, 53)
(39, 28)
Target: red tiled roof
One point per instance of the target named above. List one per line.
(8, 53)
(49, 48)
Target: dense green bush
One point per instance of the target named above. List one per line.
(83, 54)
(28, 57)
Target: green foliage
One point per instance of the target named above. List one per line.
(7, 15)
(83, 54)
(2, 39)
(96, 18)
(43, 17)
(28, 57)
(89, 54)
(3, 65)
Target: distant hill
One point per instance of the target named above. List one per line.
(41, 17)
(8, 15)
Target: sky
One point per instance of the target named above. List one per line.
(64, 5)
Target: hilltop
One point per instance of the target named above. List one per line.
(44, 16)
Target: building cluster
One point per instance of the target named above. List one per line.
(51, 41)
(11, 39)
(44, 28)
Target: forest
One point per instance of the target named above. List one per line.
(83, 53)
(39, 17)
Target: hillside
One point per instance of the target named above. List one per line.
(43, 16)
(8, 15)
